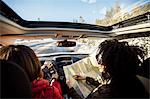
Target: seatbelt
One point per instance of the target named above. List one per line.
(93, 91)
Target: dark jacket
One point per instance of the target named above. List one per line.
(129, 88)
(74, 95)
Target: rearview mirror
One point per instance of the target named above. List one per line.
(66, 43)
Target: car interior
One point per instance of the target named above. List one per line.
(66, 43)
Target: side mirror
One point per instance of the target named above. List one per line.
(66, 43)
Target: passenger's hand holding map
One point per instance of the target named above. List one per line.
(79, 77)
(76, 74)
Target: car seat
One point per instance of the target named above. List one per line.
(14, 81)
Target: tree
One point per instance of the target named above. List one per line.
(117, 8)
(38, 19)
(136, 10)
(108, 14)
(81, 19)
(75, 21)
(146, 7)
(114, 14)
(111, 15)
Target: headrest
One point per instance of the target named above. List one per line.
(14, 81)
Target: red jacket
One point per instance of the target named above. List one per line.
(42, 89)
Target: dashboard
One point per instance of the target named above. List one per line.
(61, 60)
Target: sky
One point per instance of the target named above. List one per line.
(66, 10)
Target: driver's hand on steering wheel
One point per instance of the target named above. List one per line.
(55, 75)
(47, 63)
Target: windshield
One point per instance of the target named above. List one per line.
(84, 45)
(99, 12)
(48, 46)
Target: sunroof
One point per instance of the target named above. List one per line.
(100, 12)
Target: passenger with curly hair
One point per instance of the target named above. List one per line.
(120, 62)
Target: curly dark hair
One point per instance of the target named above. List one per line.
(119, 59)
